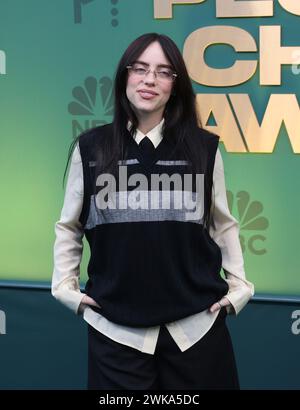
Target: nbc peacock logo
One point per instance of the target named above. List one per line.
(252, 223)
(92, 104)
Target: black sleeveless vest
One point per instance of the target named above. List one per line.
(152, 261)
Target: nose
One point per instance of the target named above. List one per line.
(150, 77)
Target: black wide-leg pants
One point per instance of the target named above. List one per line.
(208, 364)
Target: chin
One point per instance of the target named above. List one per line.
(145, 109)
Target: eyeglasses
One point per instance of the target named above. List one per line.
(162, 74)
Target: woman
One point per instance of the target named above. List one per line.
(155, 301)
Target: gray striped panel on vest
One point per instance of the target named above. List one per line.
(136, 161)
(176, 162)
(138, 206)
(120, 162)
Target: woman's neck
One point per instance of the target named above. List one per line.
(147, 124)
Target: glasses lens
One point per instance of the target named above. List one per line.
(165, 75)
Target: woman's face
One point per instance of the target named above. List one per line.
(149, 95)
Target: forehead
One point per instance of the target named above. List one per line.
(153, 54)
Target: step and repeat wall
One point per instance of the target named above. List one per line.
(57, 64)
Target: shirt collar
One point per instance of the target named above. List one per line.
(155, 135)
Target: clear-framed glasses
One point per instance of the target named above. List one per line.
(162, 73)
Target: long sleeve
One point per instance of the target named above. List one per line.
(68, 244)
(225, 233)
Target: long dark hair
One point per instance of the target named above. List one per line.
(180, 113)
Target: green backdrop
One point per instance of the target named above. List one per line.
(58, 59)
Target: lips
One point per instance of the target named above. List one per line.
(147, 94)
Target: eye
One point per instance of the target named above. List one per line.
(139, 69)
(164, 73)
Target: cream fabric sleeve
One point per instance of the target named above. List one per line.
(68, 246)
(225, 233)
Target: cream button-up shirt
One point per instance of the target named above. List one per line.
(68, 249)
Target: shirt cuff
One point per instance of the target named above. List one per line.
(238, 299)
(70, 298)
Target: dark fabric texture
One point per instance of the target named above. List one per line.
(208, 364)
(147, 148)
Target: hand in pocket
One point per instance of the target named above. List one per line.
(87, 300)
(220, 304)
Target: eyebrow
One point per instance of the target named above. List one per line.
(159, 65)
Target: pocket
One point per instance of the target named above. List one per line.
(95, 309)
(223, 311)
